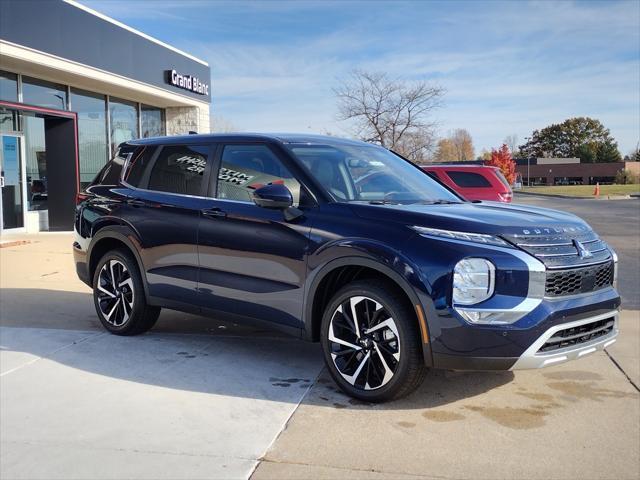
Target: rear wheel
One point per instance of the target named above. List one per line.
(371, 342)
(118, 295)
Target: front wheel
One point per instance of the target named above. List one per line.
(118, 295)
(371, 342)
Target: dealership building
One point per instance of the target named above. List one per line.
(73, 85)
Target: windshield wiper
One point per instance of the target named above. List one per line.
(383, 202)
(439, 202)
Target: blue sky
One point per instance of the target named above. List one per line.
(508, 67)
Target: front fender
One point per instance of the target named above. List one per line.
(379, 257)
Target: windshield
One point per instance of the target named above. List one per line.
(370, 174)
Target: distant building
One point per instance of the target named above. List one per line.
(569, 171)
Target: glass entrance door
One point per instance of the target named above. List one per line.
(12, 182)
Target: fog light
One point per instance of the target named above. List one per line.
(473, 281)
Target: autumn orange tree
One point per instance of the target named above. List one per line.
(501, 158)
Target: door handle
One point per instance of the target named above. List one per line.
(214, 213)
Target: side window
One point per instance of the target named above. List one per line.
(138, 166)
(110, 173)
(433, 175)
(245, 168)
(468, 179)
(179, 169)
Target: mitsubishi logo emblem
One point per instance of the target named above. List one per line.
(582, 252)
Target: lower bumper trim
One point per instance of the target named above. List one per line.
(461, 362)
(532, 358)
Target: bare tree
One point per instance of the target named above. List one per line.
(390, 112)
(220, 124)
(511, 141)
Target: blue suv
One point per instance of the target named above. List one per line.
(344, 243)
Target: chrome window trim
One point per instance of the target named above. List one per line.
(185, 195)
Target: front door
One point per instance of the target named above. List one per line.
(252, 261)
(164, 210)
(12, 183)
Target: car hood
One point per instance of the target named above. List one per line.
(485, 217)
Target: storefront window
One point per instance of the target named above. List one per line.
(8, 120)
(8, 86)
(92, 132)
(44, 94)
(36, 160)
(152, 120)
(123, 118)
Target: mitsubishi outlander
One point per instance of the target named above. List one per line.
(392, 275)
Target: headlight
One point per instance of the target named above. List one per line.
(466, 236)
(473, 281)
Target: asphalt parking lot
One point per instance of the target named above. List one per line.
(618, 222)
(197, 398)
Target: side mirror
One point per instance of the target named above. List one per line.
(274, 195)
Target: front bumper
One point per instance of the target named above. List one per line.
(534, 358)
(525, 318)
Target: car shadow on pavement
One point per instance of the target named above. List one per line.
(193, 353)
(440, 388)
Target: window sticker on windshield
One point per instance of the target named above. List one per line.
(195, 164)
(234, 176)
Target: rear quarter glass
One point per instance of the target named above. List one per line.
(502, 179)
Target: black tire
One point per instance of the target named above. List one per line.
(123, 309)
(370, 386)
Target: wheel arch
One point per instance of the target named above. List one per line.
(113, 237)
(320, 291)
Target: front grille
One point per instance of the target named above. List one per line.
(579, 280)
(557, 250)
(577, 335)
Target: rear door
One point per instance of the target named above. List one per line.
(168, 184)
(252, 261)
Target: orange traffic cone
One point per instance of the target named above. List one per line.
(596, 192)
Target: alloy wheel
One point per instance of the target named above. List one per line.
(364, 343)
(115, 293)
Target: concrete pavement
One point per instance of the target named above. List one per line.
(79, 403)
(578, 420)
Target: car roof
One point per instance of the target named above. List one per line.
(285, 138)
(453, 166)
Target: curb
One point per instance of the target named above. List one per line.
(13, 243)
(553, 195)
(601, 197)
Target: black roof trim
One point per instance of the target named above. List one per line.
(285, 138)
